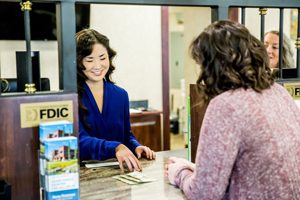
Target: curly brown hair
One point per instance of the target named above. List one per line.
(230, 58)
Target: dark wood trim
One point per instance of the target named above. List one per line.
(234, 14)
(165, 76)
(298, 49)
(197, 115)
(218, 3)
(146, 127)
(67, 46)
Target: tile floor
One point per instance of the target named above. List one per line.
(177, 141)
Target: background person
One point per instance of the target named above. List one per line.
(104, 119)
(249, 143)
(271, 42)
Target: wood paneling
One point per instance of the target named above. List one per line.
(19, 146)
(197, 115)
(165, 76)
(146, 127)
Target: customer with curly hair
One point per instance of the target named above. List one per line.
(249, 143)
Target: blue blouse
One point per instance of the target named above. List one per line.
(108, 128)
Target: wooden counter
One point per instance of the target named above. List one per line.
(97, 183)
(19, 145)
(146, 127)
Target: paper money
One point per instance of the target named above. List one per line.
(120, 178)
(140, 176)
(134, 178)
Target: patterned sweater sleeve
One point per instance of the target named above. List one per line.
(216, 154)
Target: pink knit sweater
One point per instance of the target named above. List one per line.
(249, 148)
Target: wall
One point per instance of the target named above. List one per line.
(135, 33)
(271, 20)
(193, 24)
(48, 59)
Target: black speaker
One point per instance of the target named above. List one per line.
(23, 71)
(5, 190)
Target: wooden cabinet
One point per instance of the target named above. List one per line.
(197, 115)
(19, 145)
(146, 127)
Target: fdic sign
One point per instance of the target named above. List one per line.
(293, 89)
(32, 114)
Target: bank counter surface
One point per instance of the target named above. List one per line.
(98, 183)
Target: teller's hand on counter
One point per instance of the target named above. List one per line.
(124, 155)
(145, 152)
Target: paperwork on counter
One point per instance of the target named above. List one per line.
(97, 163)
(104, 164)
(132, 110)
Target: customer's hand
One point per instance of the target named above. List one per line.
(173, 167)
(123, 154)
(145, 152)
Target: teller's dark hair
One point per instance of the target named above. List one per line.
(85, 41)
(230, 58)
